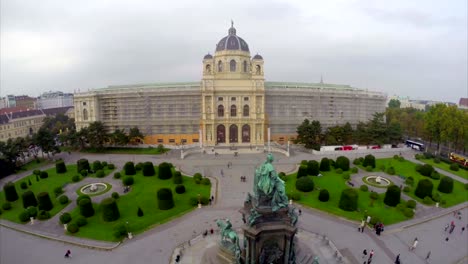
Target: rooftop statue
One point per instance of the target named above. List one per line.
(268, 186)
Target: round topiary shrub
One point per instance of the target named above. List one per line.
(348, 200)
(81, 221)
(138, 166)
(411, 204)
(369, 168)
(23, 185)
(392, 195)
(82, 164)
(117, 175)
(197, 176)
(406, 189)
(44, 175)
(180, 189)
(436, 197)
(178, 178)
(305, 184)
(24, 216)
(454, 167)
(197, 181)
(382, 167)
(82, 197)
(104, 164)
(115, 195)
(100, 174)
(44, 202)
(374, 220)
(408, 212)
(127, 180)
(60, 167)
(76, 178)
(391, 170)
(63, 199)
(65, 218)
(110, 211)
(58, 191)
(312, 168)
(148, 169)
(302, 171)
(73, 228)
(425, 170)
(354, 170)
(129, 168)
(37, 172)
(110, 166)
(97, 165)
(43, 215)
(339, 171)
(369, 160)
(29, 199)
(427, 200)
(295, 196)
(6, 206)
(204, 200)
(86, 207)
(445, 185)
(324, 195)
(363, 188)
(205, 181)
(435, 175)
(410, 181)
(424, 188)
(356, 161)
(346, 176)
(165, 171)
(84, 173)
(10, 192)
(325, 164)
(342, 162)
(401, 206)
(165, 199)
(32, 211)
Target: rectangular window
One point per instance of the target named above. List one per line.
(220, 98)
(84, 103)
(195, 140)
(184, 140)
(246, 98)
(233, 98)
(171, 140)
(160, 140)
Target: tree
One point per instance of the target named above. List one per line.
(46, 141)
(325, 164)
(86, 207)
(135, 135)
(44, 202)
(445, 185)
(433, 121)
(394, 103)
(97, 135)
(29, 199)
(424, 188)
(110, 210)
(308, 133)
(312, 168)
(165, 200)
(10, 192)
(392, 195)
(119, 137)
(377, 129)
(348, 200)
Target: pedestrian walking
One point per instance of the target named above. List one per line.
(363, 225)
(451, 229)
(211, 231)
(428, 255)
(212, 198)
(446, 227)
(68, 254)
(371, 254)
(300, 211)
(463, 229)
(415, 243)
(397, 260)
(364, 253)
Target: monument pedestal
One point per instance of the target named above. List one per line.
(225, 256)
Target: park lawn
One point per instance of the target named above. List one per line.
(148, 151)
(335, 184)
(143, 195)
(33, 164)
(407, 168)
(446, 167)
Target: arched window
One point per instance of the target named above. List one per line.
(220, 111)
(232, 65)
(258, 69)
(208, 68)
(220, 66)
(85, 114)
(245, 66)
(233, 110)
(245, 111)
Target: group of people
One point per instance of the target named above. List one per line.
(243, 179)
(364, 256)
(378, 227)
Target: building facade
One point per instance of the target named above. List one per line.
(232, 105)
(54, 100)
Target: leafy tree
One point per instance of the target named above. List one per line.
(46, 141)
(135, 134)
(433, 121)
(119, 137)
(394, 103)
(97, 135)
(308, 133)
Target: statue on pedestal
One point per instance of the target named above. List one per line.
(229, 238)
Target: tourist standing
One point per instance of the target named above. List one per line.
(397, 260)
(428, 255)
(68, 254)
(415, 243)
(364, 253)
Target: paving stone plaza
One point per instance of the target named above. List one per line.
(46, 242)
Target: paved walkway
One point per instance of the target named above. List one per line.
(157, 244)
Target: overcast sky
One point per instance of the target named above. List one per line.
(400, 47)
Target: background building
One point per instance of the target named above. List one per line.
(232, 105)
(54, 100)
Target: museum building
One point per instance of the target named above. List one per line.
(232, 105)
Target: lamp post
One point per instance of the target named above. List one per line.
(199, 201)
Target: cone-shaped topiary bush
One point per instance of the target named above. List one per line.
(129, 168)
(392, 195)
(445, 185)
(324, 195)
(86, 207)
(165, 171)
(44, 202)
(342, 162)
(424, 188)
(178, 177)
(148, 169)
(302, 171)
(82, 164)
(139, 212)
(29, 199)
(110, 211)
(305, 184)
(369, 160)
(60, 167)
(312, 168)
(165, 199)
(10, 192)
(325, 164)
(348, 200)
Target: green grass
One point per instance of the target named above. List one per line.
(335, 184)
(149, 151)
(143, 195)
(446, 167)
(34, 164)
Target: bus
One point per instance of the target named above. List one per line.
(414, 145)
(459, 159)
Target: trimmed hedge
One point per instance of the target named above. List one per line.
(348, 200)
(425, 170)
(73, 228)
(100, 174)
(178, 178)
(82, 164)
(411, 204)
(325, 164)
(110, 211)
(60, 167)
(23, 185)
(392, 195)
(454, 167)
(10, 192)
(424, 188)
(369, 160)
(305, 184)
(445, 185)
(205, 181)
(81, 221)
(363, 188)
(165, 171)
(115, 195)
(84, 173)
(97, 165)
(86, 207)
(324, 195)
(117, 175)
(110, 166)
(138, 166)
(312, 168)
(129, 168)
(128, 180)
(43, 215)
(76, 178)
(65, 218)
(342, 162)
(82, 197)
(29, 199)
(140, 212)
(24, 216)
(165, 199)
(302, 171)
(58, 191)
(6, 206)
(63, 199)
(44, 202)
(197, 176)
(148, 169)
(32, 211)
(180, 189)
